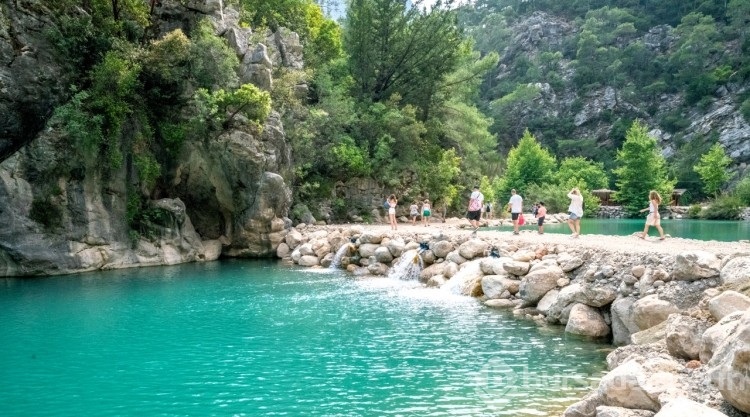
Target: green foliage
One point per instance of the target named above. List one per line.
(555, 197)
(398, 50)
(215, 110)
(712, 169)
(695, 211)
(587, 174)
(528, 163)
(742, 190)
(724, 207)
(745, 109)
(213, 63)
(641, 168)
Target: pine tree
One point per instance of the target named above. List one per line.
(641, 168)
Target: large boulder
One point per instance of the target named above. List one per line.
(623, 324)
(684, 335)
(650, 311)
(586, 321)
(727, 303)
(441, 248)
(729, 368)
(715, 335)
(694, 265)
(472, 248)
(606, 411)
(494, 286)
(735, 274)
(684, 407)
(541, 278)
(639, 385)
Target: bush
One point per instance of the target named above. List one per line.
(742, 191)
(694, 212)
(724, 207)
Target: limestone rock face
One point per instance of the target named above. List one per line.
(229, 190)
(730, 366)
(34, 77)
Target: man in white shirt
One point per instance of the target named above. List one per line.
(516, 208)
(476, 200)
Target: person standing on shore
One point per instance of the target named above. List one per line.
(414, 212)
(575, 211)
(516, 208)
(653, 219)
(476, 201)
(426, 212)
(541, 212)
(392, 203)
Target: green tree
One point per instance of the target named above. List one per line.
(400, 50)
(584, 171)
(641, 168)
(712, 168)
(527, 163)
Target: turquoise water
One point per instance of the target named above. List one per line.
(726, 231)
(247, 338)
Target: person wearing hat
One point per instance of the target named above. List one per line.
(541, 211)
(476, 200)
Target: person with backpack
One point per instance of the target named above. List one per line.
(476, 201)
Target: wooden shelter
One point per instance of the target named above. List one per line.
(677, 193)
(605, 196)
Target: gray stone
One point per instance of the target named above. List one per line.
(541, 278)
(729, 368)
(715, 335)
(683, 335)
(606, 411)
(694, 265)
(586, 321)
(684, 407)
(650, 311)
(727, 303)
(735, 274)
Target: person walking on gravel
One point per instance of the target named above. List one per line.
(653, 218)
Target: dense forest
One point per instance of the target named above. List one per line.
(427, 98)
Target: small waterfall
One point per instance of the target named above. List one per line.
(221, 8)
(459, 283)
(408, 267)
(343, 250)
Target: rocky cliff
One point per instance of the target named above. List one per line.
(593, 114)
(227, 196)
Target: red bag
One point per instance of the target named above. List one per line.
(521, 220)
